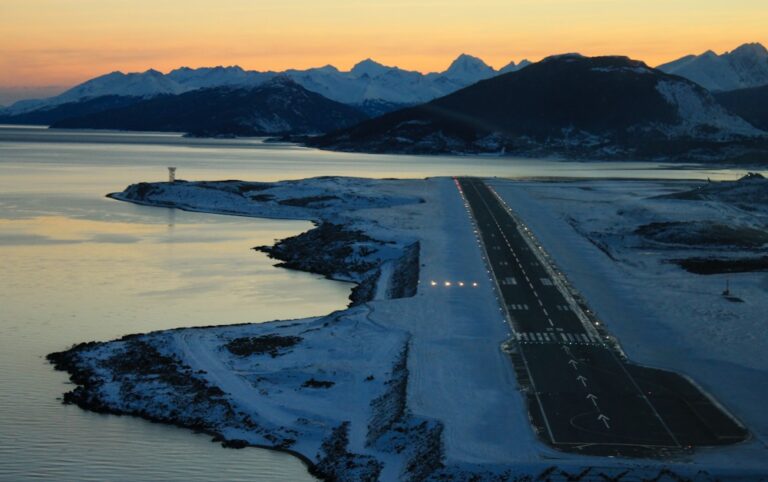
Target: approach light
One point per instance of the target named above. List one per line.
(447, 283)
(433, 283)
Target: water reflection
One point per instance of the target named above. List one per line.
(68, 279)
(145, 157)
(76, 267)
(171, 214)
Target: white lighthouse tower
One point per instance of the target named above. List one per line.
(171, 174)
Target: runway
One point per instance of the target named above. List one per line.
(583, 395)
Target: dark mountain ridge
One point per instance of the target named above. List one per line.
(568, 105)
(279, 106)
(751, 104)
(52, 115)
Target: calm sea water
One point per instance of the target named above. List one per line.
(76, 266)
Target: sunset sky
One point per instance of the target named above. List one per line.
(64, 42)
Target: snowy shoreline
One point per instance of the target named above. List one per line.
(63, 361)
(409, 382)
(390, 272)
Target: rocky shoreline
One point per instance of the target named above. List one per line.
(343, 256)
(145, 359)
(334, 250)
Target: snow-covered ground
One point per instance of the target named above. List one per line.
(415, 386)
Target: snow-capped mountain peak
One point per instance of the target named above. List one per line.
(754, 49)
(743, 67)
(325, 68)
(510, 67)
(513, 67)
(138, 84)
(205, 77)
(369, 67)
(467, 67)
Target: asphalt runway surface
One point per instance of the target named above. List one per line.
(583, 395)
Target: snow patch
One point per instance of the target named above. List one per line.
(698, 110)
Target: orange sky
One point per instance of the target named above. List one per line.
(63, 42)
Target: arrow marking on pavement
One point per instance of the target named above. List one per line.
(604, 419)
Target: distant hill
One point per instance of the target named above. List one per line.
(375, 108)
(749, 192)
(279, 106)
(751, 104)
(743, 67)
(139, 84)
(566, 105)
(52, 115)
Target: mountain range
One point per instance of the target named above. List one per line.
(743, 67)
(571, 105)
(567, 105)
(368, 82)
